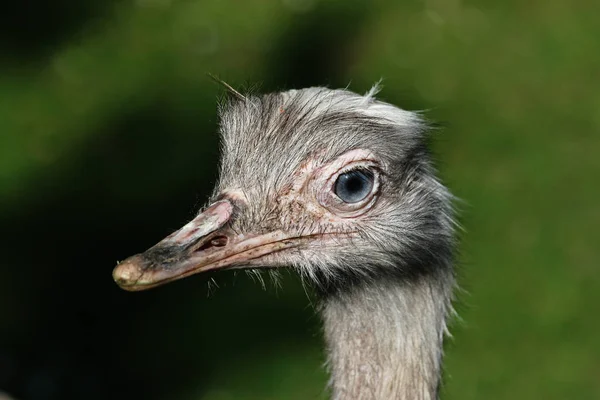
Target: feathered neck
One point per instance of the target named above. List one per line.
(384, 338)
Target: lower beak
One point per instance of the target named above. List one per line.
(205, 243)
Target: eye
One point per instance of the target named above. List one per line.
(354, 186)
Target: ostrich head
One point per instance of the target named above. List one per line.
(336, 185)
(341, 188)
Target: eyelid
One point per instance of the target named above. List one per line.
(322, 183)
(367, 164)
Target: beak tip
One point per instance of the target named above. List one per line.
(127, 273)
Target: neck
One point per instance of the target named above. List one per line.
(385, 339)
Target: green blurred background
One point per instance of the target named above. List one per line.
(108, 143)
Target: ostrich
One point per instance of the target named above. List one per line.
(341, 188)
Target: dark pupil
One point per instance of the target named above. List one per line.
(354, 186)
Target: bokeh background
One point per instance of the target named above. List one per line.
(108, 142)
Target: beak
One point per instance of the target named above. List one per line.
(205, 243)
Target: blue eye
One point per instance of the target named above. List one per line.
(354, 186)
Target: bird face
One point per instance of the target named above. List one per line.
(318, 179)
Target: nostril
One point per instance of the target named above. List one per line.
(217, 241)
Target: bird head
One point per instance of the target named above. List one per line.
(336, 185)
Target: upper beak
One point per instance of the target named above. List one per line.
(205, 243)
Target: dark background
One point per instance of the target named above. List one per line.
(108, 143)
